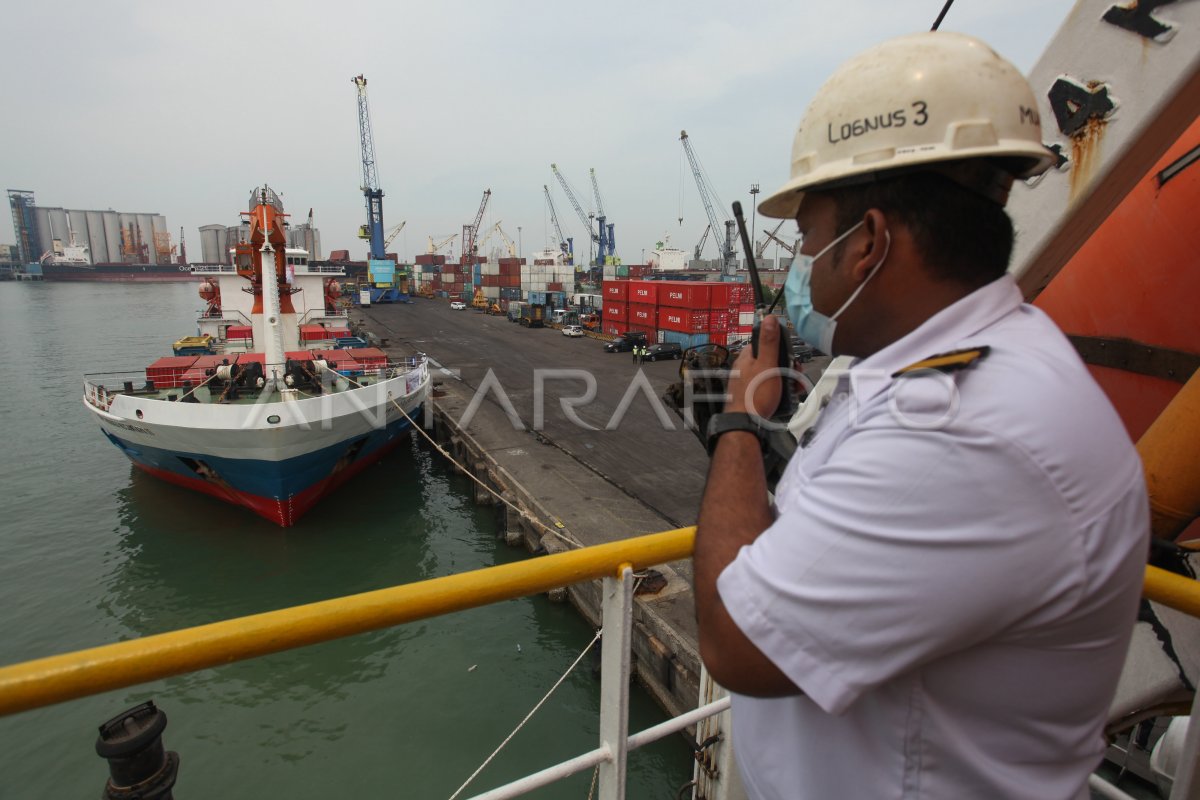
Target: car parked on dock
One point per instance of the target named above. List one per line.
(458, 305)
(572, 330)
(664, 351)
(625, 343)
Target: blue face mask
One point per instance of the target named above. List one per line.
(811, 325)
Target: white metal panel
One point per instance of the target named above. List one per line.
(1116, 87)
(112, 237)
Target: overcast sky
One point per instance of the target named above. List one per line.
(181, 109)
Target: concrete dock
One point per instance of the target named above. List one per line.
(624, 466)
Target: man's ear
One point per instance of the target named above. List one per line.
(868, 245)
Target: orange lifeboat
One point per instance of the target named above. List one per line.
(333, 290)
(211, 294)
(1128, 297)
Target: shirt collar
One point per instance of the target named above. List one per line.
(946, 330)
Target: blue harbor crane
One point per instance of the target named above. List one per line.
(584, 217)
(566, 245)
(381, 271)
(729, 261)
(608, 239)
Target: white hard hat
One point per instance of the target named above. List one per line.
(913, 100)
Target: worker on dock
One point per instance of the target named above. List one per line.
(940, 602)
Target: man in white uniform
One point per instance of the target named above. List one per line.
(940, 602)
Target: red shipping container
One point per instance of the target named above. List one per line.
(649, 330)
(239, 332)
(642, 314)
(645, 292)
(616, 312)
(682, 320)
(310, 333)
(614, 328)
(719, 295)
(685, 295)
(298, 355)
(718, 321)
(167, 372)
(369, 357)
(615, 290)
(718, 338)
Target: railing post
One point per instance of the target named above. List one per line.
(617, 620)
(716, 775)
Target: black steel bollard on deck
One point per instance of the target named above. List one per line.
(138, 767)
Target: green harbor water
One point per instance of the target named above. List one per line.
(92, 551)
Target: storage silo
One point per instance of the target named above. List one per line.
(112, 237)
(210, 244)
(314, 244)
(160, 240)
(58, 223)
(130, 252)
(145, 230)
(41, 217)
(223, 246)
(77, 225)
(97, 244)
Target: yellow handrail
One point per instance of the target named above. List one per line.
(46, 681)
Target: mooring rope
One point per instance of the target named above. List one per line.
(532, 711)
(526, 515)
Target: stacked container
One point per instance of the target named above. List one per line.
(689, 313)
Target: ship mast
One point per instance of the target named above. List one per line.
(269, 282)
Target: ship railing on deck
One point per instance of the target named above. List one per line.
(56, 679)
(100, 388)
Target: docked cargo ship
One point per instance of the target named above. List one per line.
(59, 270)
(274, 404)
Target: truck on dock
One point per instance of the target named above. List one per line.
(533, 316)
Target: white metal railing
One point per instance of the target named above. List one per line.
(611, 755)
(213, 269)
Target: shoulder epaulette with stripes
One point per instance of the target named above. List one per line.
(946, 362)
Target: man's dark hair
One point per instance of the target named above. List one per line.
(962, 235)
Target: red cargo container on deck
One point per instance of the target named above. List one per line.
(313, 333)
(615, 290)
(685, 295)
(644, 292)
(615, 312)
(682, 320)
(168, 371)
(239, 332)
(298, 355)
(369, 357)
(643, 315)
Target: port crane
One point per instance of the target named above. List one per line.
(373, 230)
(470, 247)
(608, 245)
(567, 246)
(436, 246)
(389, 285)
(703, 239)
(791, 248)
(387, 242)
(707, 195)
(584, 217)
(770, 235)
(509, 244)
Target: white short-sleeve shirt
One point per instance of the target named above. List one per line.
(952, 575)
